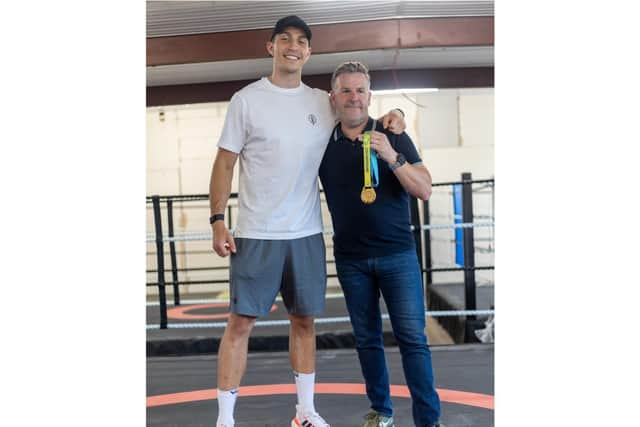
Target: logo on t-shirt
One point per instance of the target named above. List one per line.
(312, 119)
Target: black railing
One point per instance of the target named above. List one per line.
(157, 219)
(422, 239)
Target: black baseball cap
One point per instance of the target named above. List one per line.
(291, 21)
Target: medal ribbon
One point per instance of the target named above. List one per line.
(368, 194)
(374, 170)
(371, 166)
(366, 157)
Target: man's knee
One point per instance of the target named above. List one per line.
(414, 338)
(302, 324)
(240, 326)
(369, 340)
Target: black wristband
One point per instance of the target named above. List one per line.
(215, 217)
(401, 112)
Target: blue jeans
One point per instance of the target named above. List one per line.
(398, 278)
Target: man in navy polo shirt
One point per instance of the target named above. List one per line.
(368, 197)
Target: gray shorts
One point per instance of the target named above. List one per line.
(261, 268)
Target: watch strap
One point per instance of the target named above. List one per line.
(400, 160)
(216, 217)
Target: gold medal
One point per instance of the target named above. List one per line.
(368, 194)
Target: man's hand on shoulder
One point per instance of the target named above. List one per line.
(394, 121)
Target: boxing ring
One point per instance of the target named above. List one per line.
(181, 390)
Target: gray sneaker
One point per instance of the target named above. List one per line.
(374, 419)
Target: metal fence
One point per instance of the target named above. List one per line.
(421, 222)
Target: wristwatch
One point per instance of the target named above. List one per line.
(214, 218)
(400, 160)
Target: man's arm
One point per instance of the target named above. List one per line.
(415, 179)
(219, 190)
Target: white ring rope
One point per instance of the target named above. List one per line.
(458, 225)
(187, 236)
(223, 300)
(323, 320)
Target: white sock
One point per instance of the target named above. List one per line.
(226, 404)
(304, 389)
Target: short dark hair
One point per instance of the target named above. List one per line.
(350, 67)
(291, 21)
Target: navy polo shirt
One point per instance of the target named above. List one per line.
(361, 230)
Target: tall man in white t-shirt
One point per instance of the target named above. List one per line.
(279, 128)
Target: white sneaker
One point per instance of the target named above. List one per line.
(308, 420)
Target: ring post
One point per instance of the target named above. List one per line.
(417, 233)
(157, 218)
(172, 249)
(469, 255)
(427, 243)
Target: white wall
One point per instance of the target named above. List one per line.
(181, 145)
(452, 129)
(456, 135)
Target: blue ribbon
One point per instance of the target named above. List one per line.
(374, 169)
(374, 163)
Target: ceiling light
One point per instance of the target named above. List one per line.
(404, 91)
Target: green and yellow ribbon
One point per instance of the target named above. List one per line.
(368, 194)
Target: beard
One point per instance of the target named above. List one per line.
(352, 119)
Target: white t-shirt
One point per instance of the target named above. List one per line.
(280, 135)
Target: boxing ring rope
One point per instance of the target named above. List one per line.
(187, 236)
(421, 231)
(321, 320)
